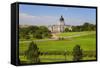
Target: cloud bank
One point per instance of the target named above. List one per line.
(26, 19)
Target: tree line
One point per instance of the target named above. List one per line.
(38, 32)
(85, 27)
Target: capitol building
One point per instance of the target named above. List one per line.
(60, 27)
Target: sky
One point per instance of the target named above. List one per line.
(49, 15)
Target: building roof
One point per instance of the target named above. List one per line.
(61, 18)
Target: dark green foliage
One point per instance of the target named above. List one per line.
(77, 53)
(88, 27)
(45, 32)
(85, 27)
(67, 30)
(32, 29)
(60, 38)
(38, 32)
(77, 28)
(33, 53)
(38, 36)
(24, 33)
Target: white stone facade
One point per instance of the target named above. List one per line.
(60, 27)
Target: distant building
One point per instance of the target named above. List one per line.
(60, 27)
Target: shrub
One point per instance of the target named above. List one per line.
(32, 53)
(77, 53)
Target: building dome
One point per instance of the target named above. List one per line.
(61, 22)
(61, 18)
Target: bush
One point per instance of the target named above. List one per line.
(32, 53)
(60, 38)
(38, 36)
(77, 53)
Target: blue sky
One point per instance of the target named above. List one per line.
(49, 15)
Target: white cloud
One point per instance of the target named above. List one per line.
(27, 19)
(26, 16)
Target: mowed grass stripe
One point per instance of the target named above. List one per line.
(86, 42)
(75, 33)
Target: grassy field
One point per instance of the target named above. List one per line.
(86, 40)
(74, 33)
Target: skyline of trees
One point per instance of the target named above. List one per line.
(40, 32)
(85, 27)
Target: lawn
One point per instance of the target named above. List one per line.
(74, 33)
(86, 40)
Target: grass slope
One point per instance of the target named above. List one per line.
(87, 43)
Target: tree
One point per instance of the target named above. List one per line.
(38, 32)
(33, 53)
(24, 33)
(85, 27)
(77, 53)
(32, 29)
(67, 30)
(45, 32)
(38, 35)
(88, 27)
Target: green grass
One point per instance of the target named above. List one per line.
(74, 33)
(55, 58)
(89, 58)
(87, 42)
